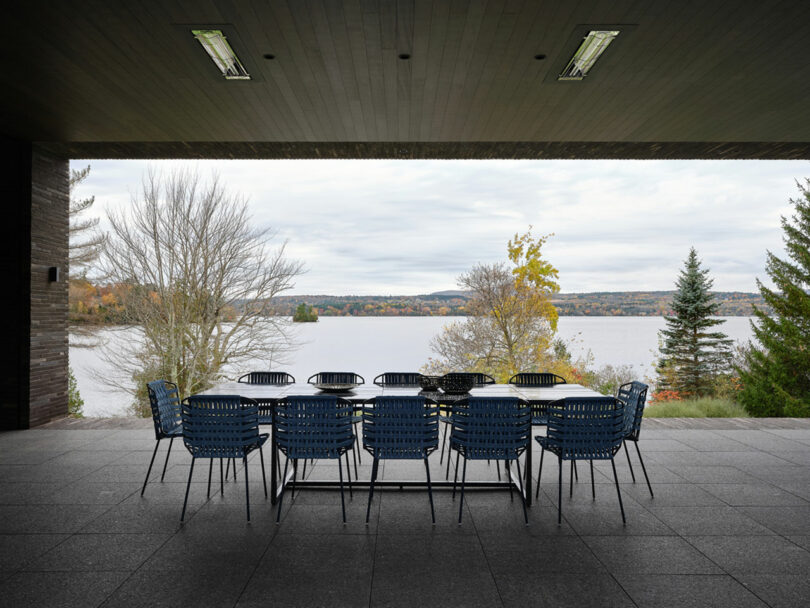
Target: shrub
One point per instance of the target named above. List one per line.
(706, 407)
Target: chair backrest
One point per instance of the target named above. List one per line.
(482, 379)
(219, 426)
(314, 426)
(536, 379)
(586, 428)
(633, 395)
(409, 379)
(336, 378)
(494, 428)
(401, 427)
(165, 404)
(275, 378)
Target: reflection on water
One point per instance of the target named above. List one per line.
(372, 345)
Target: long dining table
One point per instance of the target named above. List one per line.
(268, 395)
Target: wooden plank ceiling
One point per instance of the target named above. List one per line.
(689, 79)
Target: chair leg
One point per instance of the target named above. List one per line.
(593, 486)
(576, 472)
(522, 492)
(618, 491)
(342, 500)
(430, 491)
(264, 477)
(447, 471)
(571, 482)
(463, 479)
(559, 492)
(210, 471)
(455, 477)
(188, 485)
(509, 480)
(539, 471)
(354, 457)
(359, 454)
(149, 470)
(374, 468)
(444, 441)
(498, 468)
(283, 484)
(629, 464)
(234, 468)
(304, 472)
(221, 479)
(166, 462)
(349, 474)
(644, 469)
(295, 475)
(247, 485)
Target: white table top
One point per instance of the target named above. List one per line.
(264, 392)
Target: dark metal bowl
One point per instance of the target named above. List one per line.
(429, 383)
(457, 383)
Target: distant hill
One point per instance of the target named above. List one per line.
(453, 302)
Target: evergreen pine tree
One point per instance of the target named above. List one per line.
(691, 355)
(776, 378)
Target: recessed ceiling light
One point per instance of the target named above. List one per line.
(404, 56)
(540, 57)
(269, 56)
(593, 45)
(220, 51)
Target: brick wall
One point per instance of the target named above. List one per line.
(49, 300)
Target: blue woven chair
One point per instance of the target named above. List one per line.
(165, 404)
(272, 378)
(490, 428)
(634, 396)
(314, 427)
(400, 379)
(222, 426)
(478, 380)
(536, 379)
(583, 428)
(400, 428)
(342, 378)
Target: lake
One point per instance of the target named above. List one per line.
(372, 345)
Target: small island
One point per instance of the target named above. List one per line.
(305, 314)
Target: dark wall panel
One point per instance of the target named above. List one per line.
(49, 299)
(15, 190)
(33, 237)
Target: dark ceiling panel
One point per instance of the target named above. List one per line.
(681, 78)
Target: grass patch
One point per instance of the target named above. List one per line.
(706, 407)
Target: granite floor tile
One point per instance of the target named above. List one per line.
(688, 591)
(754, 554)
(59, 589)
(779, 590)
(710, 521)
(99, 553)
(650, 555)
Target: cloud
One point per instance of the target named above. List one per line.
(412, 226)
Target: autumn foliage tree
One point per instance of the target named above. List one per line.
(511, 320)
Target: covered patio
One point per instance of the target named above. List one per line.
(720, 79)
(727, 527)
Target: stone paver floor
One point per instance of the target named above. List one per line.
(729, 526)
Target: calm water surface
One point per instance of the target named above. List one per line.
(371, 345)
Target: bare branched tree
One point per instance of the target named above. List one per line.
(199, 281)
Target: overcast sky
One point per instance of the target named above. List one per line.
(406, 227)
